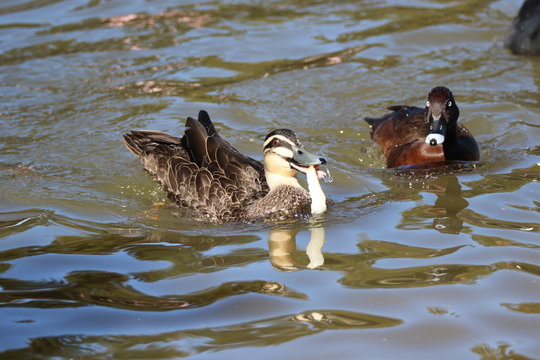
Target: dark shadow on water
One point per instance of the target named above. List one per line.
(183, 343)
(443, 182)
(362, 270)
(445, 212)
(408, 184)
(85, 288)
(450, 212)
(383, 265)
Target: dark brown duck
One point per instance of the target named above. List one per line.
(204, 173)
(523, 38)
(413, 135)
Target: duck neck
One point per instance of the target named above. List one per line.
(318, 198)
(274, 180)
(450, 138)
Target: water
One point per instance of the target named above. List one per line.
(94, 263)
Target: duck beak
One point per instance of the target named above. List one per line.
(303, 159)
(437, 129)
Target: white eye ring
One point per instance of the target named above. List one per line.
(449, 103)
(427, 103)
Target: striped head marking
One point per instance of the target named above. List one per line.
(281, 142)
(284, 156)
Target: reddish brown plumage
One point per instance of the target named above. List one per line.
(402, 133)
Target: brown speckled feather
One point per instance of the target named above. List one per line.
(204, 173)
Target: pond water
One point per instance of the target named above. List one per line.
(95, 263)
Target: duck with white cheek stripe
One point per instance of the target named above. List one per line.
(284, 156)
(205, 174)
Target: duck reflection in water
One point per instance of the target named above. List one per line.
(448, 206)
(282, 248)
(445, 212)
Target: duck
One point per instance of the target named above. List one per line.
(523, 37)
(205, 174)
(411, 135)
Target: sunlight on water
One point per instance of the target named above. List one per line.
(95, 262)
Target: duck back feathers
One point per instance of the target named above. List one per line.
(202, 172)
(403, 125)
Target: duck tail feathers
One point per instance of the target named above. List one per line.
(204, 119)
(140, 142)
(370, 120)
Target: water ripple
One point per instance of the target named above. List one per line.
(183, 343)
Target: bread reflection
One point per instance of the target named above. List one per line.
(282, 249)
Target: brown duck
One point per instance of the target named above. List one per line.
(204, 173)
(412, 135)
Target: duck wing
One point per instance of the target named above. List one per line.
(403, 125)
(201, 171)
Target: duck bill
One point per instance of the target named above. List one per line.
(302, 160)
(437, 130)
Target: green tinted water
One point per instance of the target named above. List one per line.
(94, 263)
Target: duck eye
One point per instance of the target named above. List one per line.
(449, 104)
(276, 143)
(427, 103)
(300, 152)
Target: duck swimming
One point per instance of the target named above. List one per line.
(204, 173)
(413, 135)
(523, 38)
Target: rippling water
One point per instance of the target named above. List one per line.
(94, 263)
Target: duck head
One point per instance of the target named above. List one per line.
(284, 157)
(441, 114)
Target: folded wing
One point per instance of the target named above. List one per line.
(200, 171)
